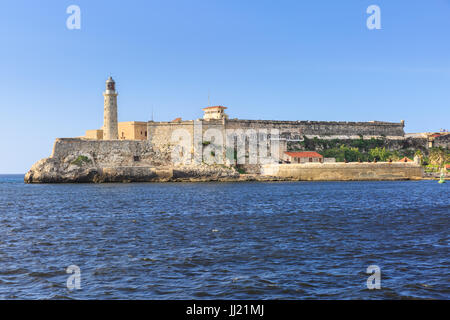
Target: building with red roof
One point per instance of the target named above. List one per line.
(303, 157)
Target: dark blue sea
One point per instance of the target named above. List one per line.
(283, 240)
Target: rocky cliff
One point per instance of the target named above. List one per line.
(80, 160)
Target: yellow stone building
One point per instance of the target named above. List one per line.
(133, 130)
(130, 130)
(94, 134)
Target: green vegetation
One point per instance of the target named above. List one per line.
(363, 145)
(352, 154)
(438, 157)
(343, 153)
(431, 168)
(373, 149)
(80, 161)
(206, 143)
(380, 154)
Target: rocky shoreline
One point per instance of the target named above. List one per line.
(52, 170)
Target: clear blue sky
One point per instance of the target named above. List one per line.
(287, 60)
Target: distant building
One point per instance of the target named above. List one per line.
(303, 157)
(214, 113)
(405, 159)
(433, 139)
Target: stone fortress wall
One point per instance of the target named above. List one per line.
(322, 128)
(160, 133)
(109, 152)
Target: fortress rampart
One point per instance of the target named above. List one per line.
(323, 128)
(109, 152)
(160, 133)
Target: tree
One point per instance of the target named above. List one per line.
(379, 153)
(351, 154)
(343, 153)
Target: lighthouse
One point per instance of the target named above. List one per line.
(110, 127)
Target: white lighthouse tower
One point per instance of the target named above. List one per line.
(110, 127)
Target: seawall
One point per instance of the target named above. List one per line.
(344, 171)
